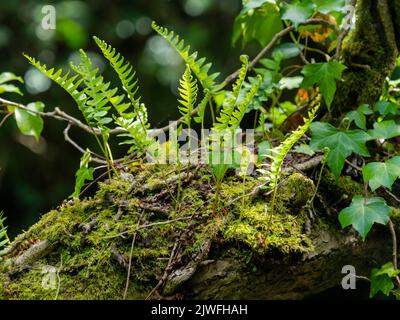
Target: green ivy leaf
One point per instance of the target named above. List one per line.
(290, 83)
(258, 20)
(385, 130)
(297, 12)
(325, 74)
(30, 123)
(341, 144)
(379, 174)
(327, 7)
(363, 213)
(83, 174)
(358, 116)
(381, 279)
(385, 108)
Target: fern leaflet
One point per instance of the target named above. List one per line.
(188, 93)
(198, 66)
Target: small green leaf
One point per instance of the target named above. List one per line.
(341, 144)
(304, 149)
(258, 20)
(297, 12)
(324, 74)
(29, 123)
(327, 7)
(358, 116)
(290, 83)
(83, 174)
(9, 88)
(385, 130)
(385, 108)
(8, 76)
(379, 174)
(381, 279)
(363, 213)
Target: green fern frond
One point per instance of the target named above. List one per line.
(201, 108)
(188, 94)
(69, 84)
(228, 107)
(134, 136)
(124, 70)
(198, 66)
(280, 152)
(240, 111)
(4, 240)
(98, 94)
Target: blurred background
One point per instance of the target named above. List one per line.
(36, 177)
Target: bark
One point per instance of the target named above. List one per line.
(370, 53)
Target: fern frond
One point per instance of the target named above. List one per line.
(188, 96)
(134, 136)
(4, 240)
(98, 94)
(240, 111)
(124, 70)
(282, 150)
(201, 108)
(198, 66)
(69, 84)
(228, 107)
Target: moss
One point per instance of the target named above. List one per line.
(370, 54)
(89, 269)
(344, 188)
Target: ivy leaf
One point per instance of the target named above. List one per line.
(358, 116)
(379, 174)
(297, 12)
(385, 108)
(381, 279)
(363, 213)
(9, 88)
(341, 144)
(83, 174)
(258, 20)
(30, 123)
(385, 130)
(327, 7)
(325, 75)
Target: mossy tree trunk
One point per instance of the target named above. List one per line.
(370, 53)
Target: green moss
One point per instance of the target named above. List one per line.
(344, 188)
(89, 269)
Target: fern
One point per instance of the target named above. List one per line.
(98, 94)
(188, 93)
(201, 108)
(280, 152)
(4, 240)
(198, 66)
(69, 84)
(124, 71)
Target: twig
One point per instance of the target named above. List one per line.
(6, 117)
(95, 157)
(392, 195)
(166, 271)
(60, 115)
(148, 226)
